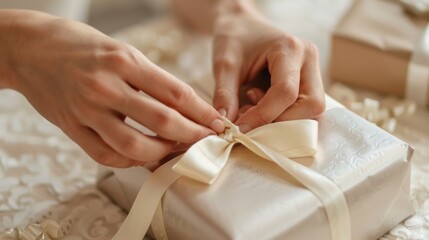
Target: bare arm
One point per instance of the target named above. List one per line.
(203, 14)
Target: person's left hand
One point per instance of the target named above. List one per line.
(245, 47)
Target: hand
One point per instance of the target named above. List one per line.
(246, 47)
(87, 83)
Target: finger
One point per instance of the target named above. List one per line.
(311, 100)
(285, 78)
(129, 142)
(176, 94)
(164, 121)
(98, 150)
(226, 70)
(255, 95)
(159, 118)
(178, 150)
(244, 109)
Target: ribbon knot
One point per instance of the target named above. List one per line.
(203, 162)
(231, 131)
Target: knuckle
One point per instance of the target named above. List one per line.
(222, 93)
(130, 146)
(312, 50)
(206, 117)
(288, 92)
(287, 42)
(224, 62)
(182, 95)
(316, 106)
(294, 43)
(118, 56)
(164, 122)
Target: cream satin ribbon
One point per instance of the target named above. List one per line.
(203, 162)
(418, 71)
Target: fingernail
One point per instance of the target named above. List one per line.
(244, 128)
(138, 163)
(252, 96)
(217, 125)
(222, 112)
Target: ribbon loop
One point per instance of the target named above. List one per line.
(204, 161)
(206, 158)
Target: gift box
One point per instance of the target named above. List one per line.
(255, 199)
(380, 46)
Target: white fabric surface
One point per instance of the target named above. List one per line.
(43, 175)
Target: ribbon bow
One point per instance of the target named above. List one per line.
(206, 158)
(204, 161)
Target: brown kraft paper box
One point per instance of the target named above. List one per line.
(373, 44)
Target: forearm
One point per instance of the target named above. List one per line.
(203, 15)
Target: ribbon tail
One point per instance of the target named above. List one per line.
(142, 212)
(157, 225)
(328, 193)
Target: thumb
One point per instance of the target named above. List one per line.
(226, 68)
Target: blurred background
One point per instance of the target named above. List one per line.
(107, 16)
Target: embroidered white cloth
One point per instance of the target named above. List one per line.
(43, 175)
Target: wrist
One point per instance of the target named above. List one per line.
(19, 29)
(235, 7)
(7, 18)
(228, 11)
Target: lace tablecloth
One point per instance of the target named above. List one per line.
(43, 175)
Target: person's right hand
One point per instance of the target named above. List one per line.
(87, 83)
(282, 71)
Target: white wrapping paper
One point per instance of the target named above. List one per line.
(254, 199)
